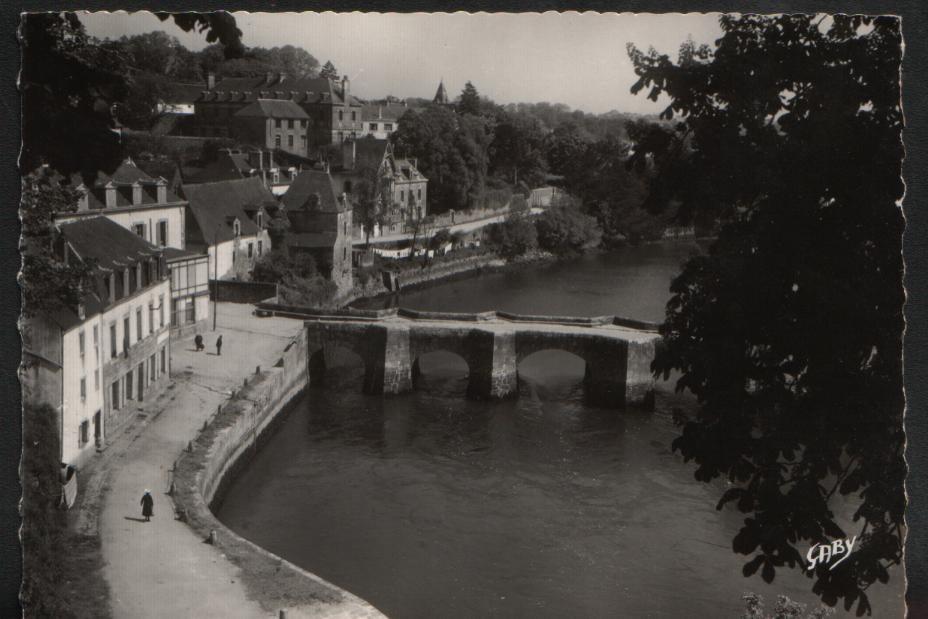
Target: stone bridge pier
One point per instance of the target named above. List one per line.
(617, 368)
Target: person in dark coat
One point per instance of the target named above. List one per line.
(198, 342)
(219, 346)
(148, 506)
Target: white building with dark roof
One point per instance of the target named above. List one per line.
(382, 119)
(228, 221)
(147, 206)
(93, 361)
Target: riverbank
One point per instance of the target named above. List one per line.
(163, 567)
(424, 275)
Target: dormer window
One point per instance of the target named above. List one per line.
(237, 228)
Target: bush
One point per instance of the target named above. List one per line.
(316, 291)
(440, 239)
(43, 522)
(565, 230)
(513, 237)
(276, 266)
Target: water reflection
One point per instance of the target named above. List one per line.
(431, 505)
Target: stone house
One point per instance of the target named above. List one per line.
(273, 124)
(320, 224)
(227, 220)
(333, 113)
(90, 362)
(406, 187)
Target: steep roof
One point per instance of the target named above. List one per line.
(312, 239)
(407, 170)
(313, 190)
(272, 108)
(125, 176)
(178, 92)
(384, 112)
(441, 95)
(367, 152)
(216, 205)
(317, 90)
(121, 249)
(107, 243)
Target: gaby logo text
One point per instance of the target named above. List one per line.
(824, 554)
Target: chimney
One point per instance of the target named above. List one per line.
(110, 194)
(379, 112)
(136, 193)
(268, 78)
(210, 80)
(346, 87)
(162, 191)
(83, 203)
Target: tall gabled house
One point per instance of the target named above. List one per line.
(320, 224)
(405, 186)
(93, 361)
(228, 220)
(149, 207)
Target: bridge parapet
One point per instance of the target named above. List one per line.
(618, 358)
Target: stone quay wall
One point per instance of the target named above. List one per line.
(222, 448)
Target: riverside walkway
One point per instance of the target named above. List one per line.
(161, 568)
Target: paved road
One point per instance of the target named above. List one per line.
(160, 568)
(467, 226)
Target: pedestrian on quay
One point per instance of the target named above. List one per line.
(148, 506)
(219, 346)
(198, 342)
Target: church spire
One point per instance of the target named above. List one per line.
(441, 96)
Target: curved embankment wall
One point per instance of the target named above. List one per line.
(226, 444)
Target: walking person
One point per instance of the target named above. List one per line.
(148, 506)
(198, 342)
(219, 346)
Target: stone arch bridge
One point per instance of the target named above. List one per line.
(618, 352)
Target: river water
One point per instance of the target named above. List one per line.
(429, 505)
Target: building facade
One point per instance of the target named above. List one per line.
(333, 113)
(92, 362)
(227, 220)
(148, 207)
(320, 224)
(405, 186)
(381, 120)
(273, 124)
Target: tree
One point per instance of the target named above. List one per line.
(294, 61)
(371, 195)
(452, 152)
(329, 71)
(513, 237)
(470, 100)
(563, 147)
(789, 332)
(278, 266)
(48, 282)
(277, 229)
(69, 87)
(565, 230)
(600, 176)
(517, 151)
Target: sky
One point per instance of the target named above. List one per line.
(578, 59)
